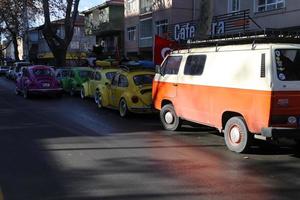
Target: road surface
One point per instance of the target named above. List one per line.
(68, 149)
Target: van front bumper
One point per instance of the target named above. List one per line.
(280, 132)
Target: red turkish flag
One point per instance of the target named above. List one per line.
(162, 48)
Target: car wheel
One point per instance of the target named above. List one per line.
(236, 135)
(123, 108)
(98, 99)
(72, 92)
(17, 92)
(169, 118)
(26, 94)
(59, 95)
(82, 93)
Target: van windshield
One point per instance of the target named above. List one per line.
(288, 64)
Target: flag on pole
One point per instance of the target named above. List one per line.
(162, 48)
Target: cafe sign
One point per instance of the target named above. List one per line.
(184, 31)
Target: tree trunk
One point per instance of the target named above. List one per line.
(60, 56)
(16, 50)
(205, 19)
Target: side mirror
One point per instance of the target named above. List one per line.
(157, 69)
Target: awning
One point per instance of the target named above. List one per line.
(69, 56)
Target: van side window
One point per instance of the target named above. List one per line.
(171, 65)
(195, 65)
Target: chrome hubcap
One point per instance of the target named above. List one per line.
(235, 135)
(169, 118)
(97, 98)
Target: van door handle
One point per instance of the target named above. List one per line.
(175, 84)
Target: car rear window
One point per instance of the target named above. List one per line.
(110, 75)
(143, 79)
(42, 72)
(85, 74)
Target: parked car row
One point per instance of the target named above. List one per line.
(127, 89)
(11, 72)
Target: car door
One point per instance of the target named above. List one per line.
(168, 79)
(65, 74)
(24, 76)
(197, 106)
(70, 81)
(121, 88)
(94, 82)
(113, 90)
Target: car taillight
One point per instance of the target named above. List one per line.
(134, 99)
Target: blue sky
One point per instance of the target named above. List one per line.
(86, 4)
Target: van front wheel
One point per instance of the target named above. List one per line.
(169, 118)
(236, 135)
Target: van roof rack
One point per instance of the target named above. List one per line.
(251, 37)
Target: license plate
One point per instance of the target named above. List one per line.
(46, 84)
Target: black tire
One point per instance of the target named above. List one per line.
(236, 135)
(59, 95)
(98, 99)
(72, 92)
(26, 94)
(297, 144)
(17, 92)
(169, 118)
(82, 93)
(123, 108)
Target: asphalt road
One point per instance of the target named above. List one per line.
(68, 149)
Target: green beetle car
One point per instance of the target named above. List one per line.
(62, 75)
(77, 76)
(99, 78)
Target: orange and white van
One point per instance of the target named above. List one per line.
(245, 91)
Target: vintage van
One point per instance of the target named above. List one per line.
(246, 91)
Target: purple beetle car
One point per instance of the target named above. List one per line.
(37, 80)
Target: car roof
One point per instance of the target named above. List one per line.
(82, 68)
(105, 70)
(39, 67)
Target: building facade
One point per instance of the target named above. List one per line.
(179, 20)
(80, 46)
(146, 18)
(9, 51)
(273, 14)
(106, 22)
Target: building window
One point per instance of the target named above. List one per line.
(74, 45)
(130, 6)
(266, 5)
(77, 31)
(104, 15)
(233, 6)
(131, 32)
(146, 32)
(146, 6)
(161, 27)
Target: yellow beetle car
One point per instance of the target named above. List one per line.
(129, 91)
(99, 78)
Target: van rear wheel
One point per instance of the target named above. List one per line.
(169, 118)
(236, 135)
